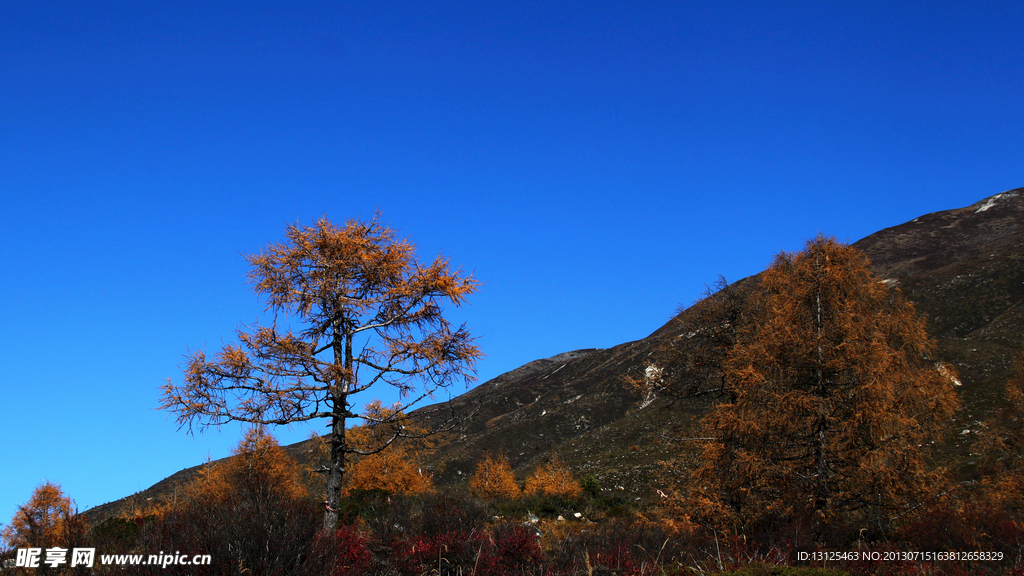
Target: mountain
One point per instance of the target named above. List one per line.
(962, 268)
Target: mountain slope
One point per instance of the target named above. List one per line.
(963, 269)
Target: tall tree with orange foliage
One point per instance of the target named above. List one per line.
(371, 315)
(493, 479)
(47, 520)
(833, 392)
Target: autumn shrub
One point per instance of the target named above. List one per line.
(241, 537)
(447, 533)
(626, 547)
(974, 523)
(516, 550)
(406, 530)
(442, 554)
(398, 516)
(251, 513)
(493, 479)
(759, 569)
(345, 552)
(553, 479)
(393, 470)
(446, 512)
(504, 550)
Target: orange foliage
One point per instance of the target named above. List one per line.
(395, 469)
(830, 397)
(260, 470)
(392, 470)
(1001, 446)
(493, 479)
(368, 313)
(45, 521)
(553, 479)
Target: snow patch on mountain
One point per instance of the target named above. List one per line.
(990, 202)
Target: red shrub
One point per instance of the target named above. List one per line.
(445, 553)
(344, 553)
(515, 550)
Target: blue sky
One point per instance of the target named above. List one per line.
(595, 164)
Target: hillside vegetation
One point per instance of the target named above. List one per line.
(854, 409)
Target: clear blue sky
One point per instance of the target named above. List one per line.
(595, 164)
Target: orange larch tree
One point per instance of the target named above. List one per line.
(553, 479)
(48, 519)
(371, 315)
(259, 471)
(396, 469)
(493, 479)
(834, 394)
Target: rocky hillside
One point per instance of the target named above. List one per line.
(963, 268)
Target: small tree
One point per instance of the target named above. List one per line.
(249, 511)
(493, 479)
(371, 314)
(395, 470)
(553, 479)
(47, 520)
(833, 395)
(260, 471)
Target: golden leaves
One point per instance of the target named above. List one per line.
(43, 521)
(493, 479)
(832, 394)
(259, 470)
(395, 470)
(553, 479)
(369, 313)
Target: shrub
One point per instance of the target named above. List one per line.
(516, 550)
(343, 553)
(493, 479)
(249, 513)
(622, 547)
(507, 549)
(553, 479)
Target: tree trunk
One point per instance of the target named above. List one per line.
(339, 451)
(337, 471)
(821, 449)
